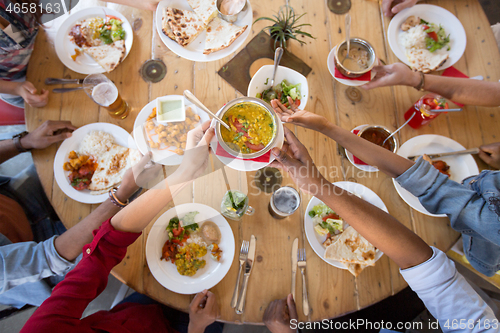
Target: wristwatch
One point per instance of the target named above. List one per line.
(17, 142)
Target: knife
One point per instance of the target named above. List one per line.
(295, 247)
(460, 152)
(240, 307)
(52, 80)
(65, 90)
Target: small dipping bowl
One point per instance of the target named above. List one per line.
(233, 17)
(247, 100)
(355, 42)
(377, 134)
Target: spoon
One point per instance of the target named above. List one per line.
(347, 36)
(400, 127)
(190, 97)
(446, 110)
(268, 94)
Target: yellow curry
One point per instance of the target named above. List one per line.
(251, 125)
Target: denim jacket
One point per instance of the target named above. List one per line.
(473, 208)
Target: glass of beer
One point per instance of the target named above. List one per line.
(104, 92)
(284, 202)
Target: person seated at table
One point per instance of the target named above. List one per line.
(18, 32)
(26, 215)
(391, 7)
(473, 207)
(460, 90)
(62, 311)
(427, 270)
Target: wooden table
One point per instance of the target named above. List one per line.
(333, 292)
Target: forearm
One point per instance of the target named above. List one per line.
(7, 150)
(9, 87)
(134, 218)
(143, 4)
(464, 91)
(388, 162)
(69, 245)
(379, 228)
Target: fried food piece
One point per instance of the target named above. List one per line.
(410, 22)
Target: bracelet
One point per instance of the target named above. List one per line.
(420, 86)
(115, 200)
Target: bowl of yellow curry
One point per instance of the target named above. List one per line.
(253, 125)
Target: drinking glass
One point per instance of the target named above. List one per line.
(284, 202)
(104, 92)
(234, 205)
(423, 107)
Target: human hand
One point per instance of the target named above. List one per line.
(143, 4)
(393, 75)
(196, 154)
(144, 173)
(279, 313)
(28, 92)
(400, 5)
(295, 159)
(299, 117)
(48, 133)
(203, 311)
(491, 154)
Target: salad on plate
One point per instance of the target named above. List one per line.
(281, 91)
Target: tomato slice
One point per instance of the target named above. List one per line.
(296, 102)
(331, 216)
(433, 35)
(113, 17)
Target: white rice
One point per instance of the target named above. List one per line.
(414, 38)
(96, 143)
(196, 239)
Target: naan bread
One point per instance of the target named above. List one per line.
(423, 60)
(205, 9)
(108, 56)
(355, 269)
(351, 248)
(185, 25)
(221, 34)
(165, 27)
(111, 168)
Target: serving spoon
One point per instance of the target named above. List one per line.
(400, 127)
(192, 98)
(347, 36)
(277, 58)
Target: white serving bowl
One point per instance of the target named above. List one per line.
(257, 84)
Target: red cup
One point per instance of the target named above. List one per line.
(422, 107)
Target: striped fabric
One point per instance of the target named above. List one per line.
(14, 57)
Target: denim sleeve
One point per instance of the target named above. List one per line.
(439, 194)
(448, 296)
(30, 262)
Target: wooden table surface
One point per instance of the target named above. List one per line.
(333, 292)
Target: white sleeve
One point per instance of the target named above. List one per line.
(448, 296)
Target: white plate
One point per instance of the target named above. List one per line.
(194, 50)
(247, 165)
(166, 272)
(331, 67)
(316, 241)
(350, 156)
(265, 74)
(432, 14)
(461, 166)
(122, 138)
(164, 157)
(84, 64)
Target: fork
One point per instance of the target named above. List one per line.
(243, 257)
(301, 262)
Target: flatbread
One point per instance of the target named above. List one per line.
(107, 56)
(185, 25)
(205, 9)
(221, 34)
(165, 27)
(351, 248)
(423, 60)
(355, 269)
(112, 165)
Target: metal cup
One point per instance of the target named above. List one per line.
(233, 17)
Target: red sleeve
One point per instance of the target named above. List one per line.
(62, 311)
